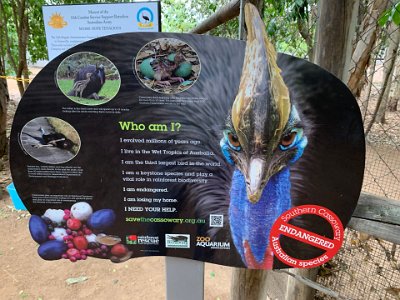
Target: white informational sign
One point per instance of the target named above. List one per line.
(69, 25)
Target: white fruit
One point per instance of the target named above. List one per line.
(55, 215)
(81, 211)
(59, 233)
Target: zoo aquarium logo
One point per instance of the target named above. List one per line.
(205, 242)
(177, 241)
(142, 240)
(145, 18)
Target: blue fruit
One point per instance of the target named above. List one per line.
(101, 220)
(38, 229)
(52, 250)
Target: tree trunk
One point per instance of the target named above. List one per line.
(332, 34)
(363, 49)
(390, 58)
(372, 63)
(223, 15)
(18, 16)
(385, 81)
(305, 33)
(4, 98)
(395, 96)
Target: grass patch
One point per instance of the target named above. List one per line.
(108, 91)
(63, 127)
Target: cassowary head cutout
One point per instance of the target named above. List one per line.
(263, 138)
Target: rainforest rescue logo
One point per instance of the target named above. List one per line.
(57, 21)
(205, 242)
(145, 18)
(134, 239)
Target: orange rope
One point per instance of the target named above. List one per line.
(15, 78)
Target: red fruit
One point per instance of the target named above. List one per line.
(72, 258)
(119, 250)
(70, 245)
(74, 224)
(87, 231)
(90, 252)
(83, 257)
(72, 252)
(80, 242)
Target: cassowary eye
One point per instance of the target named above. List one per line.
(233, 140)
(288, 139)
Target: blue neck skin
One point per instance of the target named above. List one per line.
(253, 221)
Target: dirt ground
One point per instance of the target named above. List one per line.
(24, 275)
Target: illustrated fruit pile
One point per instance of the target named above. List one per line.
(77, 233)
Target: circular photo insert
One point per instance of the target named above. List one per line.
(167, 66)
(88, 78)
(50, 140)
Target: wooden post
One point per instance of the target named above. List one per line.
(185, 278)
(334, 19)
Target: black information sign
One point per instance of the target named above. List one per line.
(144, 144)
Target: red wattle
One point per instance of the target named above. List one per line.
(252, 263)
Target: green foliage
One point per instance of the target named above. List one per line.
(183, 16)
(390, 15)
(283, 18)
(37, 40)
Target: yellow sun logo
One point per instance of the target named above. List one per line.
(57, 21)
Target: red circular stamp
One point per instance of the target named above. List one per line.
(282, 226)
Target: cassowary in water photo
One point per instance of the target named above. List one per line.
(55, 139)
(264, 137)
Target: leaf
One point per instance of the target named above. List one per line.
(396, 14)
(300, 2)
(384, 18)
(271, 27)
(75, 280)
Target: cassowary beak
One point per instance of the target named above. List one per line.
(256, 175)
(261, 109)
